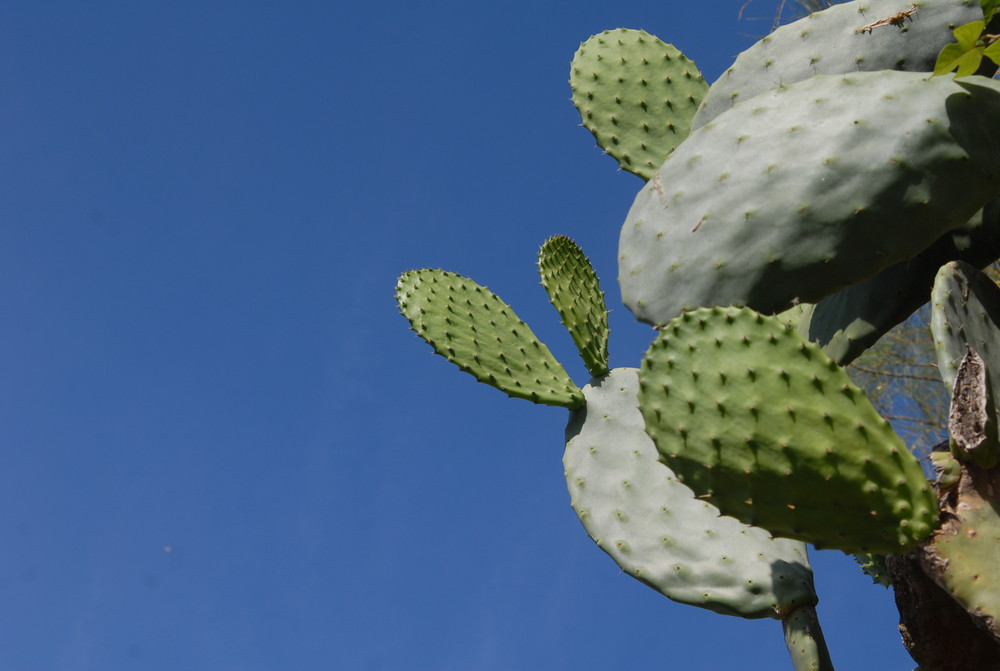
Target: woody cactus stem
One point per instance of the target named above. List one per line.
(805, 641)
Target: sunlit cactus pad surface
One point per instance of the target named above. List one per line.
(803, 191)
(655, 528)
(637, 95)
(470, 326)
(575, 291)
(835, 41)
(766, 427)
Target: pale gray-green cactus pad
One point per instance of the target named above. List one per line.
(801, 192)
(848, 322)
(655, 528)
(966, 313)
(834, 41)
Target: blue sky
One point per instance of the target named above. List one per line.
(223, 448)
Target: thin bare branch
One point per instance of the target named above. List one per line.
(915, 420)
(889, 373)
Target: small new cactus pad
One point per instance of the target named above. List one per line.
(470, 326)
(832, 42)
(962, 555)
(575, 291)
(767, 206)
(965, 312)
(874, 567)
(637, 95)
(657, 530)
(848, 322)
(765, 426)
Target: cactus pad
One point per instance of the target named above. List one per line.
(962, 556)
(832, 42)
(575, 292)
(470, 326)
(965, 313)
(848, 322)
(655, 528)
(637, 95)
(770, 430)
(766, 206)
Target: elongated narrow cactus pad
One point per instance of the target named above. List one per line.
(655, 528)
(965, 313)
(834, 41)
(770, 430)
(637, 95)
(962, 555)
(801, 192)
(575, 291)
(848, 322)
(470, 326)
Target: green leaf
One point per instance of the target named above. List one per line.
(966, 55)
(968, 35)
(992, 52)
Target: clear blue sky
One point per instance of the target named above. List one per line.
(222, 447)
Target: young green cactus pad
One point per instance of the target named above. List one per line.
(965, 314)
(575, 292)
(848, 322)
(830, 42)
(470, 326)
(637, 95)
(657, 530)
(766, 207)
(962, 555)
(874, 567)
(770, 430)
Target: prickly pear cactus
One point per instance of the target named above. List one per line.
(848, 322)
(771, 431)
(966, 313)
(470, 326)
(637, 95)
(655, 527)
(733, 217)
(833, 183)
(864, 35)
(575, 292)
(962, 555)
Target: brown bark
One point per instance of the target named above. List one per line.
(937, 632)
